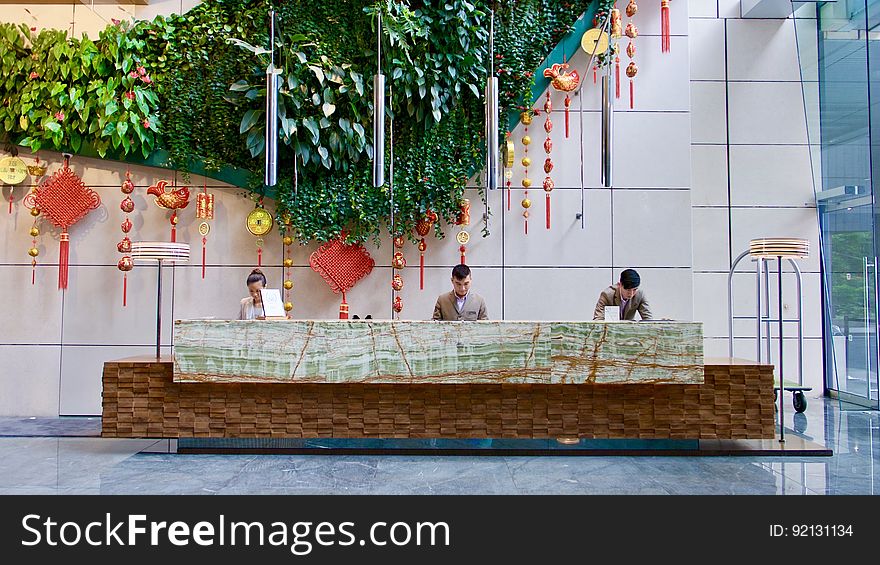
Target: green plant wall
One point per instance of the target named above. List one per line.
(188, 91)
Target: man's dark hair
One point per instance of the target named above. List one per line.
(461, 272)
(630, 279)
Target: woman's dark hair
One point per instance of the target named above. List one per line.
(257, 276)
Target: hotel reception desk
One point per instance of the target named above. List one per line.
(413, 379)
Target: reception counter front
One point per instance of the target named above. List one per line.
(412, 379)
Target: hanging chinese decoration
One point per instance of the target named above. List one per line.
(398, 262)
(287, 240)
(616, 33)
(34, 251)
(259, 223)
(341, 266)
(526, 119)
(507, 164)
(631, 69)
(12, 171)
(204, 212)
(548, 162)
(125, 264)
(664, 26)
(563, 81)
(463, 220)
(64, 200)
(423, 227)
(170, 199)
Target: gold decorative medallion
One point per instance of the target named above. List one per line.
(204, 229)
(259, 222)
(594, 41)
(13, 170)
(463, 237)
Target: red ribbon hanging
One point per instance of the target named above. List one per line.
(631, 94)
(567, 104)
(664, 17)
(422, 268)
(10, 200)
(463, 250)
(64, 259)
(124, 289)
(547, 208)
(617, 77)
(204, 255)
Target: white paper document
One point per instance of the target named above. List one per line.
(273, 306)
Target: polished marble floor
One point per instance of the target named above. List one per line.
(90, 465)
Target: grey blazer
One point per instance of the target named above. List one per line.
(474, 308)
(611, 297)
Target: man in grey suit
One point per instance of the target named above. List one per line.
(626, 296)
(461, 304)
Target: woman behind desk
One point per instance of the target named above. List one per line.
(252, 306)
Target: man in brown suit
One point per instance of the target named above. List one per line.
(626, 296)
(461, 304)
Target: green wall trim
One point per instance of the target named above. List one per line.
(564, 50)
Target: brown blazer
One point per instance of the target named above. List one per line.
(473, 309)
(611, 297)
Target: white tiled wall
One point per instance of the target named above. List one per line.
(750, 163)
(712, 155)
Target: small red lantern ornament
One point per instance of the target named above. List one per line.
(125, 264)
(397, 263)
(548, 162)
(632, 69)
(397, 304)
(64, 200)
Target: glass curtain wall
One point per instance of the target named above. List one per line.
(848, 139)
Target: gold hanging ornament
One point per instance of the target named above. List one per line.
(526, 119)
(34, 250)
(126, 264)
(259, 223)
(12, 171)
(464, 220)
(423, 227)
(632, 69)
(204, 212)
(287, 240)
(397, 264)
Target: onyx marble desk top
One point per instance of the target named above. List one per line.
(429, 352)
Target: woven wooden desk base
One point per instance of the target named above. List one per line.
(140, 400)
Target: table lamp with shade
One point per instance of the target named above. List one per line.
(159, 251)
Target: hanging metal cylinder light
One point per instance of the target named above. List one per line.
(491, 113)
(272, 76)
(379, 112)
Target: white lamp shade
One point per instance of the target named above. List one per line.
(160, 251)
(772, 247)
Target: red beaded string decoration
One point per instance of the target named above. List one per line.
(398, 263)
(125, 264)
(204, 212)
(664, 18)
(64, 200)
(631, 32)
(341, 266)
(526, 119)
(423, 227)
(548, 162)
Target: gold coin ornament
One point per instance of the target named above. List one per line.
(463, 237)
(259, 222)
(13, 170)
(509, 154)
(204, 229)
(594, 41)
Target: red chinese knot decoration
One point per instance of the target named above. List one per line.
(64, 200)
(341, 266)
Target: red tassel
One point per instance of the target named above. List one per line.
(508, 197)
(594, 75)
(63, 259)
(567, 104)
(343, 309)
(462, 250)
(421, 271)
(527, 226)
(124, 289)
(259, 256)
(664, 17)
(631, 94)
(10, 201)
(617, 77)
(33, 272)
(204, 255)
(547, 207)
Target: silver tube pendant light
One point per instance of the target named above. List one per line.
(272, 76)
(492, 112)
(379, 112)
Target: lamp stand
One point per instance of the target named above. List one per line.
(781, 351)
